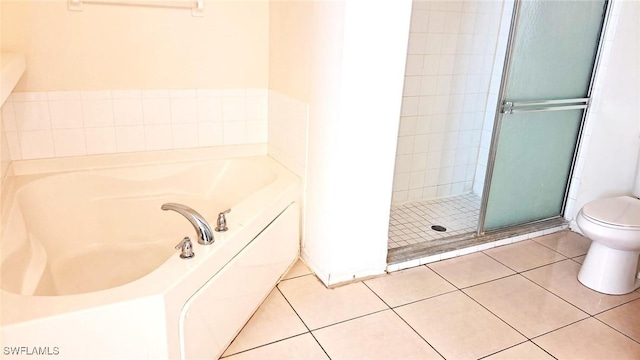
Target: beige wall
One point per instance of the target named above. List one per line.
(123, 47)
(304, 64)
(607, 160)
(290, 45)
(345, 59)
(4, 152)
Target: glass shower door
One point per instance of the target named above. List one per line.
(544, 95)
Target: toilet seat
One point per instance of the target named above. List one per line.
(621, 212)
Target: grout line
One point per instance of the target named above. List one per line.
(427, 298)
(575, 306)
(417, 333)
(543, 349)
(617, 306)
(585, 312)
(443, 278)
(462, 290)
(421, 214)
(507, 348)
(488, 281)
(303, 323)
(550, 248)
(263, 345)
(350, 319)
(575, 258)
(492, 313)
(561, 327)
(405, 321)
(271, 342)
(415, 301)
(549, 291)
(610, 326)
(376, 294)
(521, 271)
(296, 277)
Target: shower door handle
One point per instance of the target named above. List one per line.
(512, 107)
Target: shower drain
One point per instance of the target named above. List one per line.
(439, 228)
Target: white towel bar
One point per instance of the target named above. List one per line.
(196, 6)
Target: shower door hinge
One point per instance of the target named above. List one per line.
(507, 107)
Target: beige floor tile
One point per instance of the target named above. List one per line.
(319, 306)
(403, 287)
(561, 278)
(524, 305)
(274, 320)
(383, 335)
(567, 243)
(470, 269)
(298, 269)
(589, 339)
(524, 351)
(299, 347)
(625, 318)
(457, 327)
(524, 255)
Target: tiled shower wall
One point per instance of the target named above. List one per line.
(492, 99)
(76, 123)
(452, 47)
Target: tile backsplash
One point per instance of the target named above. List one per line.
(76, 123)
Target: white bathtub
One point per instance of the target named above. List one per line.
(88, 264)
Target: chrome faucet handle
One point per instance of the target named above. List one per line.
(187, 248)
(222, 221)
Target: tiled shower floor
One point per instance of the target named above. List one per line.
(410, 223)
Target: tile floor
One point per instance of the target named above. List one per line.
(410, 223)
(519, 301)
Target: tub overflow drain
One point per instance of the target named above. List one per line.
(439, 228)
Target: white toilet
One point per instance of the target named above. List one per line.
(613, 225)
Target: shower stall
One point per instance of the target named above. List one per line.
(494, 101)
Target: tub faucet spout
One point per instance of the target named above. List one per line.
(205, 235)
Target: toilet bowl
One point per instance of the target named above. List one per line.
(613, 225)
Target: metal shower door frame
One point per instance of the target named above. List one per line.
(505, 107)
